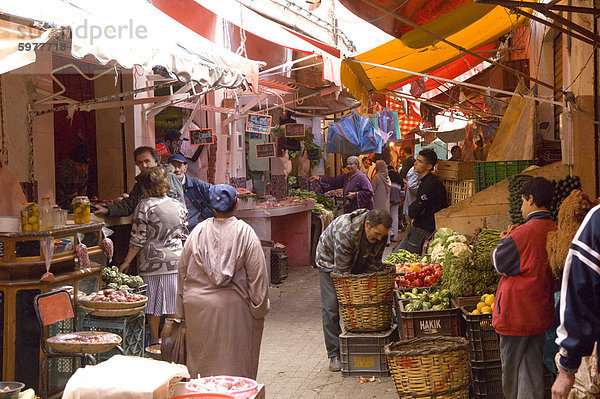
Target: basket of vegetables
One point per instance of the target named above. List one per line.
(428, 313)
(366, 299)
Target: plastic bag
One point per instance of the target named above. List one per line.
(82, 253)
(587, 379)
(107, 244)
(172, 347)
(47, 246)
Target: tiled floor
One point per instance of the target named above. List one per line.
(293, 362)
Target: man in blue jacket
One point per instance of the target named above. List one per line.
(195, 191)
(579, 303)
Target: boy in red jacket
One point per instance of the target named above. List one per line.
(524, 307)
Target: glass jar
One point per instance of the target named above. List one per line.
(30, 217)
(46, 215)
(81, 210)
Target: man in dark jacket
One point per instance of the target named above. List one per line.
(407, 163)
(431, 197)
(145, 157)
(352, 243)
(524, 302)
(196, 192)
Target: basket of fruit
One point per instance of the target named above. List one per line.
(366, 299)
(483, 339)
(84, 342)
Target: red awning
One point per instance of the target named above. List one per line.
(418, 11)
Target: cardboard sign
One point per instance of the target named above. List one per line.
(201, 136)
(313, 154)
(294, 130)
(266, 150)
(258, 123)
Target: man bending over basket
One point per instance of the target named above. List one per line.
(352, 243)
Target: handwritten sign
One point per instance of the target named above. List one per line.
(266, 150)
(313, 154)
(258, 123)
(294, 130)
(201, 136)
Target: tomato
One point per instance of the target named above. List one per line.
(426, 269)
(438, 274)
(418, 283)
(411, 276)
(404, 282)
(429, 281)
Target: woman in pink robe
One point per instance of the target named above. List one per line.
(223, 292)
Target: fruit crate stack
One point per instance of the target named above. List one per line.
(362, 354)
(484, 349)
(418, 322)
(489, 173)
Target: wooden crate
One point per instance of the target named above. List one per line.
(450, 170)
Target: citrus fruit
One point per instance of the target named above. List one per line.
(483, 297)
(489, 300)
(481, 305)
(476, 311)
(486, 310)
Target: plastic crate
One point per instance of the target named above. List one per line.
(279, 269)
(484, 342)
(490, 173)
(428, 322)
(458, 190)
(131, 329)
(486, 379)
(363, 353)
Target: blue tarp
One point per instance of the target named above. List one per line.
(354, 134)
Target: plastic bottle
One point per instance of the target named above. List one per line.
(46, 214)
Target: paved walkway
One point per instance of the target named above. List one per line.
(293, 362)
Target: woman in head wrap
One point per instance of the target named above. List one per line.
(222, 292)
(357, 187)
(382, 186)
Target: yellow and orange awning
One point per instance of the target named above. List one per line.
(470, 26)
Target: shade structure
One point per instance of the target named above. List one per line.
(133, 32)
(470, 26)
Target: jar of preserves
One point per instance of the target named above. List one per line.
(81, 209)
(30, 217)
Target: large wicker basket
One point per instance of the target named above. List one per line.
(365, 299)
(430, 367)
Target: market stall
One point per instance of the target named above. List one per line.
(22, 265)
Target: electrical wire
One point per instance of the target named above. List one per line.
(583, 68)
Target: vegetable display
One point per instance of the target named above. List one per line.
(472, 273)
(562, 189)
(402, 256)
(114, 279)
(446, 243)
(420, 275)
(423, 301)
(515, 183)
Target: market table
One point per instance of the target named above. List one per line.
(288, 225)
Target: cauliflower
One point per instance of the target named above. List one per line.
(456, 238)
(437, 253)
(458, 247)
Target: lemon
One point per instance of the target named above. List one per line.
(476, 311)
(480, 306)
(483, 297)
(486, 310)
(489, 300)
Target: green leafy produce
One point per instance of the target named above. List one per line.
(427, 300)
(402, 256)
(113, 278)
(515, 183)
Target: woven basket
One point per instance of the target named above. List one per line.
(61, 346)
(430, 367)
(111, 305)
(365, 299)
